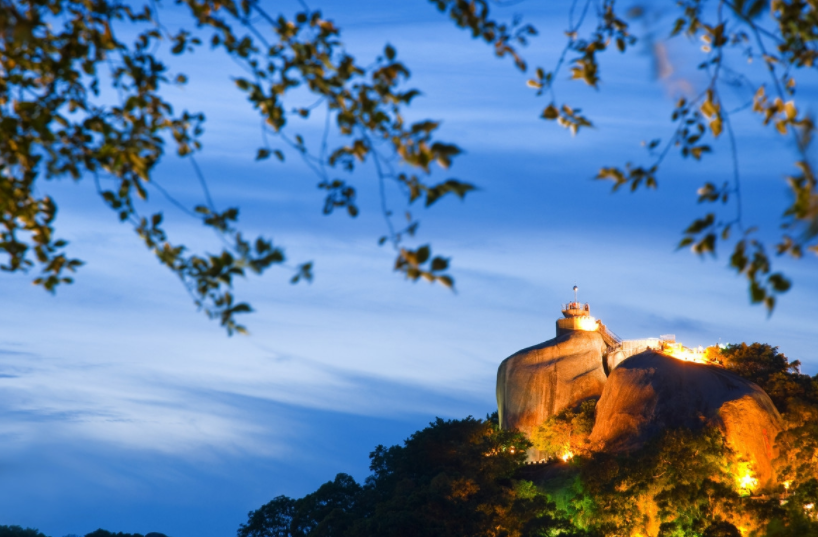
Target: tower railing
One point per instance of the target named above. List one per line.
(612, 340)
(576, 306)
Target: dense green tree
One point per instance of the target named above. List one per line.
(679, 484)
(566, 434)
(105, 533)
(465, 477)
(795, 395)
(780, 378)
(454, 478)
(17, 531)
(328, 511)
(721, 529)
(799, 512)
(273, 519)
(55, 122)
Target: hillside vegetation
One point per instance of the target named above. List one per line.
(469, 478)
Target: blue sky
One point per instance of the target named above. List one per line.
(124, 408)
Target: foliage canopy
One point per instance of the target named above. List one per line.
(453, 478)
(566, 434)
(56, 56)
(17, 531)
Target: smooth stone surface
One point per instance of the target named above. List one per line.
(540, 381)
(650, 392)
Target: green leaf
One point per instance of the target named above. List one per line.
(757, 293)
(439, 263)
(780, 283)
(701, 224)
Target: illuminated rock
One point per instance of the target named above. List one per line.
(614, 358)
(651, 392)
(540, 381)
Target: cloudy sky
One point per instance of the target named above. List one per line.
(124, 408)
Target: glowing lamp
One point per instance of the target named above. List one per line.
(746, 483)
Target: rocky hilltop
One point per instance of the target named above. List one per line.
(643, 386)
(540, 381)
(650, 392)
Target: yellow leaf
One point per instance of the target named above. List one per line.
(790, 110)
(716, 126)
(709, 108)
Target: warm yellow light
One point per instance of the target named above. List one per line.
(809, 506)
(676, 350)
(567, 456)
(586, 324)
(787, 485)
(746, 482)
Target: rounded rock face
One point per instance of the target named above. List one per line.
(540, 381)
(650, 392)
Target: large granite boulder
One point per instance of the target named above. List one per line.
(650, 392)
(540, 381)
